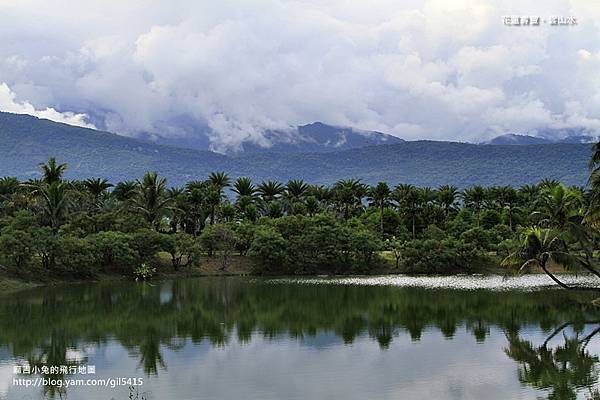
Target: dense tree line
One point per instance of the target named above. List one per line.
(82, 227)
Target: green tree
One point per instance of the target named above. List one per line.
(474, 198)
(269, 247)
(182, 248)
(539, 248)
(54, 204)
(151, 200)
(379, 196)
(53, 171)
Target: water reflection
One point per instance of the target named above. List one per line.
(44, 326)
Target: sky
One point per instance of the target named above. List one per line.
(439, 69)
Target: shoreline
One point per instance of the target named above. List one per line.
(211, 267)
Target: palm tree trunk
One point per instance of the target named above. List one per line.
(381, 219)
(564, 285)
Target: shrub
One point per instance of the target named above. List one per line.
(440, 256)
(180, 247)
(269, 247)
(115, 249)
(76, 256)
(144, 272)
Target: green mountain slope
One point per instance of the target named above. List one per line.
(26, 141)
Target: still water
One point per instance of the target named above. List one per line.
(354, 338)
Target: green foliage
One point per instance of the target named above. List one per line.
(76, 256)
(426, 256)
(148, 243)
(182, 248)
(22, 239)
(269, 247)
(144, 272)
(77, 227)
(114, 249)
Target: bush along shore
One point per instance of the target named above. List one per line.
(53, 228)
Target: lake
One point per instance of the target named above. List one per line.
(318, 338)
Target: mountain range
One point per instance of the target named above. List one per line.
(27, 141)
(545, 137)
(311, 138)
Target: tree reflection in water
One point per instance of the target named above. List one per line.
(148, 320)
(562, 369)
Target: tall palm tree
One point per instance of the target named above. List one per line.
(593, 212)
(213, 196)
(125, 191)
(151, 200)
(270, 190)
(197, 208)
(8, 186)
(53, 171)
(348, 194)
(410, 200)
(296, 189)
(220, 180)
(529, 193)
(508, 199)
(178, 207)
(97, 187)
(557, 205)
(548, 183)
(54, 203)
(379, 196)
(243, 186)
(474, 198)
(446, 197)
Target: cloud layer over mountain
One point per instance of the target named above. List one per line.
(417, 69)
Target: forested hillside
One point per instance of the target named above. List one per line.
(26, 141)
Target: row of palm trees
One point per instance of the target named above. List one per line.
(206, 201)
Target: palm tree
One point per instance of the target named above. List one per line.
(379, 196)
(246, 195)
(295, 189)
(97, 187)
(244, 187)
(213, 198)
(410, 200)
(541, 246)
(446, 197)
(178, 207)
(53, 171)
(557, 205)
(125, 191)
(8, 186)
(196, 208)
(593, 212)
(54, 203)
(348, 194)
(548, 183)
(270, 190)
(529, 192)
(151, 200)
(508, 198)
(312, 205)
(220, 180)
(474, 198)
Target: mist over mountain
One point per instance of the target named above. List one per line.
(546, 136)
(316, 137)
(27, 141)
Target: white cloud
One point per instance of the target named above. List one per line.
(418, 69)
(8, 103)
